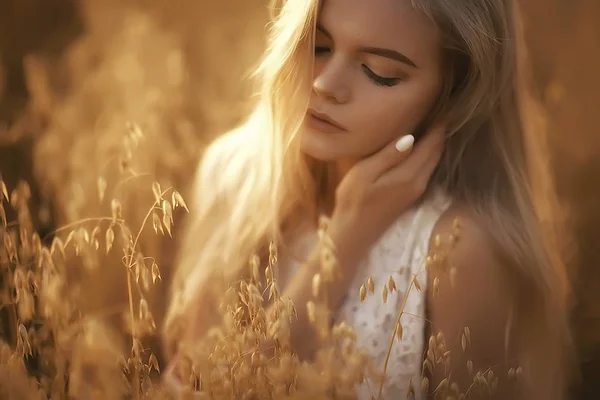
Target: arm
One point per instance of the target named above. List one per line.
(478, 296)
(304, 338)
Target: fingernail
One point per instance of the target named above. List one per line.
(405, 143)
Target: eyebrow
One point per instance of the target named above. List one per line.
(387, 53)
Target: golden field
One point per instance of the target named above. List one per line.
(105, 108)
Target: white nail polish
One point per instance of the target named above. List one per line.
(405, 143)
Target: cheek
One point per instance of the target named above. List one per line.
(382, 120)
(390, 113)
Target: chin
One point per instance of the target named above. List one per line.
(322, 150)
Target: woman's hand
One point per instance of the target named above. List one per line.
(375, 192)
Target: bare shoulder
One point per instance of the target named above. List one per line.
(467, 247)
(469, 298)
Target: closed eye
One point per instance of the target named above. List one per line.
(378, 79)
(321, 49)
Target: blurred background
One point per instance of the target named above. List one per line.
(76, 74)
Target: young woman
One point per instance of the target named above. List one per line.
(396, 118)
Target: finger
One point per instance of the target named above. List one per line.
(423, 159)
(429, 147)
(391, 155)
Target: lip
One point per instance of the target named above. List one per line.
(323, 122)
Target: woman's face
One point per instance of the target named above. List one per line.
(377, 74)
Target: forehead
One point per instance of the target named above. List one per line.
(393, 24)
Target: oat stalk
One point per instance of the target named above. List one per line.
(129, 285)
(391, 345)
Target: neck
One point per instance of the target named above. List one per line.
(335, 173)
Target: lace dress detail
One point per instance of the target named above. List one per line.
(399, 253)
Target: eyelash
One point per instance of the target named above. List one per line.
(378, 80)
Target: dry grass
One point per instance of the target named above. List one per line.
(56, 348)
(71, 352)
(161, 66)
(65, 337)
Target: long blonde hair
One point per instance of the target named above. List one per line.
(254, 179)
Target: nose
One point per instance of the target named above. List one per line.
(329, 81)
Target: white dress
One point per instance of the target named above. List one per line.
(399, 253)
